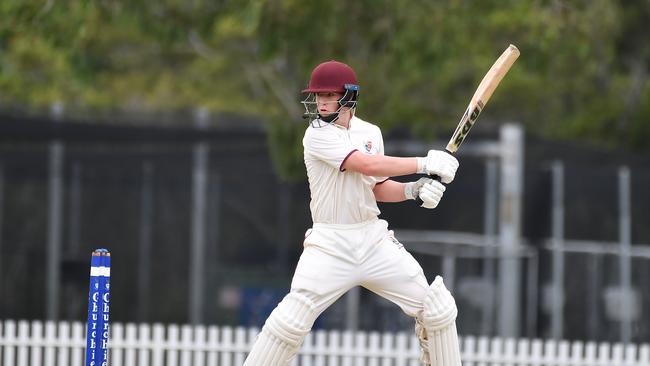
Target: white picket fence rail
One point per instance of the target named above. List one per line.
(35, 343)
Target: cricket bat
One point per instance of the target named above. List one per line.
(481, 96)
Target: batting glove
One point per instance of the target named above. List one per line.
(439, 163)
(412, 189)
(431, 193)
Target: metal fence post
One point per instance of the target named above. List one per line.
(557, 230)
(200, 158)
(512, 151)
(625, 233)
(55, 220)
(490, 229)
(532, 293)
(352, 300)
(213, 277)
(449, 269)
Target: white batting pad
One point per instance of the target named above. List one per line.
(439, 319)
(283, 332)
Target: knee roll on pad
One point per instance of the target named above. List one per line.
(439, 306)
(292, 319)
(283, 332)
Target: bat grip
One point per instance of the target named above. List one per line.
(418, 200)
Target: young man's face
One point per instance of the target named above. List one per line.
(327, 103)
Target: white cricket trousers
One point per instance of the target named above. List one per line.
(337, 258)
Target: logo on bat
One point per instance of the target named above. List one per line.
(469, 122)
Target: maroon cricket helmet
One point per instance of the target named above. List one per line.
(332, 76)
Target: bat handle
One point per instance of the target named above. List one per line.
(436, 177)
(418, 200)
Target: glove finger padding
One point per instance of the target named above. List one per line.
(442, 164)
(448, 169)
(447, 175)
(431, 193)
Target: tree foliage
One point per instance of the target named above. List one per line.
(583, 73)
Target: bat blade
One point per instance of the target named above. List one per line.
(481, 96)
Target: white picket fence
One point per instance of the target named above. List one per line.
(34, 343)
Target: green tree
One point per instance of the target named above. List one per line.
(583, 73)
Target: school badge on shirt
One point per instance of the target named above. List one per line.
(368, 146)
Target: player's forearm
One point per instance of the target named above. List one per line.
(380, 165)
(389, 191)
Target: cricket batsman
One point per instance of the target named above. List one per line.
(348, 244)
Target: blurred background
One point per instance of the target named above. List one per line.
(170, 133)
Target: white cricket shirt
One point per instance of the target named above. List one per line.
(338, 196)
